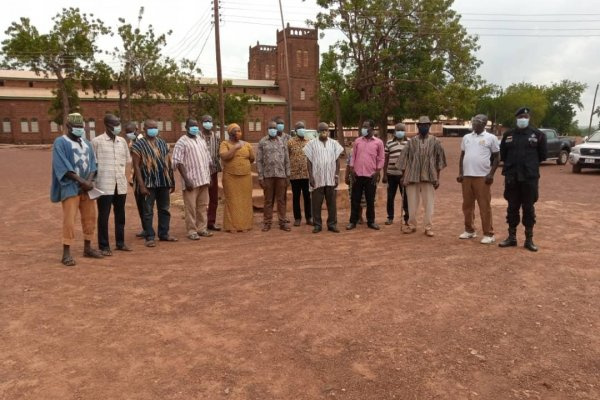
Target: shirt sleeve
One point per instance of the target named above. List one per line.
(178, 154)
(353, 157)
(542, 147)
(380, 155)
(259, 160)
(440, 156)
(286, 158)
(93, 161)
(503, 148)
(308, 151)
(462, 143)
(495, 146)
(338, 149)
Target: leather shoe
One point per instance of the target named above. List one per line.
(285, 227)
(214, 227)
(309, 221)
(297, 222)
(316, 229)
(333, 229)
(374, 226)
(389, 221)
(350, 226)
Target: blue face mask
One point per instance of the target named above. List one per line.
(399, 134)
(152, 132)
(364, 132)
(116, 130)
(522, 123)
(79, 132)
(272, 132)
(207, 125)
(130, 136)
(423, 129)
(300, 132)
(193, 130)
(280, 127)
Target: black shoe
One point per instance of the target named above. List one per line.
(333, 229)
(389, 221)
(316, 229)
(510, 241)
(350, 226)
(374, 226)
(213, 227)
(297, 222)
(529, 245)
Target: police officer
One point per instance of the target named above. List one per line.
(522, 150)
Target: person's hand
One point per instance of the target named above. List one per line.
(130, 183)
(188, 185)
(171, 189)
(489, 179)
(261, 183)
(347, 179)
(436, 184)
(459, 179)
(311, 181)
(384, 179)
(375, 178)
(86, 186)
(144, 190)
(337, 181)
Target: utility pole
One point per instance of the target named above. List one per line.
(593, 107)
(219, 72)
(287, 69)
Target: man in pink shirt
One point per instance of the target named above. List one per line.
(367, 161)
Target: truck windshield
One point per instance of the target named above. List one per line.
(595, 137)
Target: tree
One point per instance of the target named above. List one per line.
(521, 95)
(67, 51)
(563, 98)
(403, 56)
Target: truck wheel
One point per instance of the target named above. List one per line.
(563, 157)
(576, 168)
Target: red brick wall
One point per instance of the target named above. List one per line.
(262, 59)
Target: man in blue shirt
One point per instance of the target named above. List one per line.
(73, 168)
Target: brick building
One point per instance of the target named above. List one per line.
(25, 97)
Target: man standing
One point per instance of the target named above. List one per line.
(154, 176)
(280, 130)
(73, 168)
(476, 174)
(299, 175)
(212, 144)
(273, 164)
(192, 160)
(133, 136)
(522, 150)
(112, 155)
(367, 161)
(392, 175)
(422, 160)
(324, 170)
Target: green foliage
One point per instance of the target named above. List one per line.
(237, 106)
(563, 99)
(67, 51)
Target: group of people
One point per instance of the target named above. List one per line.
(89, 177)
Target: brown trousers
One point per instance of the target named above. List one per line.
(275, 191)
(87, 209)
(474, 189)
(196, 201)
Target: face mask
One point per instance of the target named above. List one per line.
(300, 132)
(364, 132)
(280, 127)
(79, 132)
(207, 125)
(323, 135)
(116, 129)
(130, 136)
(193, 130)
(522, 123)
(272, 132)
(399, 134)
(423, 130)
(152, 132)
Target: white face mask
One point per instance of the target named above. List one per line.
(522, 123)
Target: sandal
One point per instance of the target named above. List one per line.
(168, 239)
(93, 253)
(150, 243)
(193, 236)
(106, 252)
(205, 234)
(68, 261)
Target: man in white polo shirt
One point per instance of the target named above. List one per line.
(478, 162)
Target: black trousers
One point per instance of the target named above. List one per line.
(139, 203)
(161, 196)
(521, 195)
(300, 186)
(395, 184)
(363, 184)
(104, 203)
(327, 193)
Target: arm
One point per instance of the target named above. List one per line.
(385, 165)
(227, 155)
(489, 179)
(542, 147)
(259, 164)
(337, 172)
(251, 155)
(311, 178)
(138, 175)
(286, 158)
(460, 167)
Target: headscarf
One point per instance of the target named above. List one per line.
(233, 126)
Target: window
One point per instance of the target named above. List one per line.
(53, 126)
(160, 125)
(2, 83)
(305, 58)
(92, 127)
(302, 94)
(267, 71)
(24, 125)
(6, 128)
(168, 126)
(244, 90)
(35, 127)
(251, 126)
(257, 126)
(183, 126)
(273, 72)
(30, 83)
(298, 58)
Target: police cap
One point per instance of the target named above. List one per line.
(523, 110)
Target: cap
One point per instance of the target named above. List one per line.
(523, 110)
(424, 119)
(75, 119)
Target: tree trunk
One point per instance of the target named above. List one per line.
(64, 97)
(339, 126)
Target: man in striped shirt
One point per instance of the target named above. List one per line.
(112, 156)
(212, 144)
(392, 175)
(323, 170)
(192, 160)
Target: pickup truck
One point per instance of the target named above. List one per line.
(586, 154)
(558, 147)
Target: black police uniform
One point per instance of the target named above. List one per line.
(522, 151)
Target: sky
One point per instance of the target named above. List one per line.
(536, 41)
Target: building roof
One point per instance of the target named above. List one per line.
(29, 75)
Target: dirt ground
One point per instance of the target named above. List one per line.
(358, 315)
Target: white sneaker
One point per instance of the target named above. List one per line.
(488, 240)
(467, 235)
